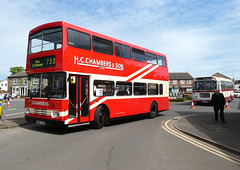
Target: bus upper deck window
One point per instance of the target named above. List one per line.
(45, 40)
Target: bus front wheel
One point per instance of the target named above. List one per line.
(99, 117)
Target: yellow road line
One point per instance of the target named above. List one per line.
(198, 144)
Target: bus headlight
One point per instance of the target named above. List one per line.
(195, 95)
(55, 114)
(27, 111)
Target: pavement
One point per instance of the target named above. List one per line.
(5, 124)
(204, 127)
(9, 124)
(12, 123)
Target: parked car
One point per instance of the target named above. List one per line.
(237, 94)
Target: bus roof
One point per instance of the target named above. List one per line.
(211, 78)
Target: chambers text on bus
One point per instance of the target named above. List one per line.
(97, 63)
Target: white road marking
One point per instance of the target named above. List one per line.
(14, 114)
(12, 109)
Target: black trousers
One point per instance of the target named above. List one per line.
(216, 110)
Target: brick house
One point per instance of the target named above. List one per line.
(180, 83)
(17, 84)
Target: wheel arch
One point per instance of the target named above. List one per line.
(157, 103)
(106, 108)
(153, 109)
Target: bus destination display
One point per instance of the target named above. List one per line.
(43, 62)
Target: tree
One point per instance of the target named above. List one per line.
(15, 70)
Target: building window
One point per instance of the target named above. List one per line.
(24, 81)
(188, 90)
(189, 81)
(174, 81)
(15, 81)
(35, 80)
(182, 82)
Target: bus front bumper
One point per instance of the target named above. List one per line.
(44, 122)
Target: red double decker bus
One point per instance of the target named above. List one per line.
(76, 77)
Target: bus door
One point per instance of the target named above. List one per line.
(79, 98)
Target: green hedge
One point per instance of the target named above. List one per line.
(177, 100)
(188, 98)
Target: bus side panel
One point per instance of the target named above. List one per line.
(133, 106)
(89, 62)
(163, 104)
(161, 73)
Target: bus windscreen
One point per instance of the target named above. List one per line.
(205, 85)
(47, 85)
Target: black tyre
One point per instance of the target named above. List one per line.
(153, 110)
(99, 116)
(107, 121)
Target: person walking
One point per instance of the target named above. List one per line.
(1, 95)
(218, 102)
(10, 97)
(5, 98)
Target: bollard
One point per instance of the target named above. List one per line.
(8, 104)
(192, 105)
(226, 106)
(1, 105)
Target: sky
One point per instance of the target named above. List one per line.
(200, 37)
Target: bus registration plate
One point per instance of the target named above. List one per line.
(39, 122)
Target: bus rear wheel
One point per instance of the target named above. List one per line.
(99, 117)
(153, 110)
